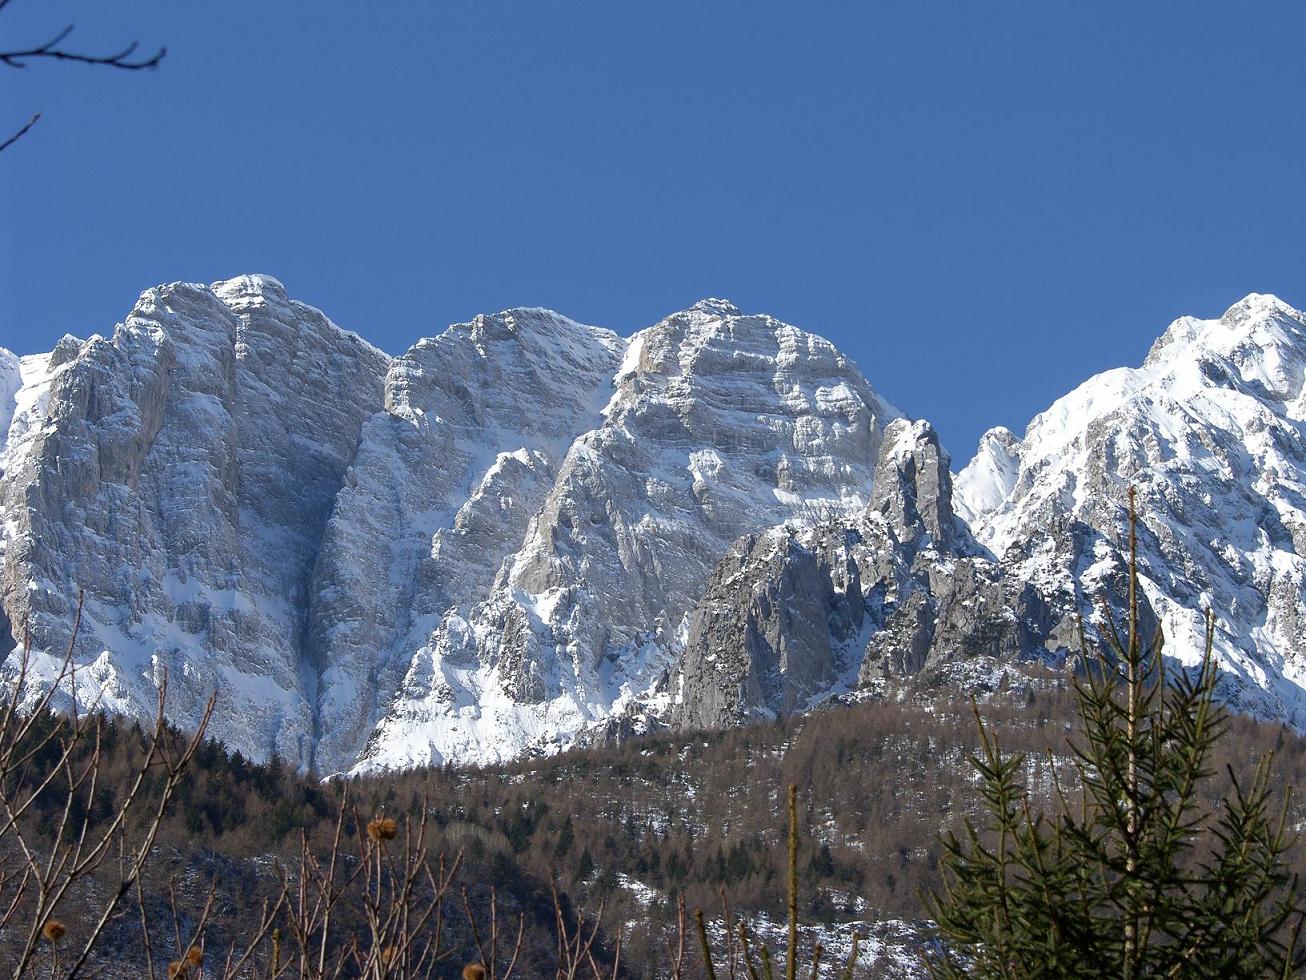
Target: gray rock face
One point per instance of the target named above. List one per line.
(11, 380)
(913, 487)
(779, 627)
(445, 483)
(180, 474)
(717, 424)
(795, 615)
(484, 546)
(1209, 432)
(528, 532)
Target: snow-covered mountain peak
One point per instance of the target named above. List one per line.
(717, 424)
(989, 477)
(715, 306)
(261, 301)
(498, 541)
(1208, 432)
(1258, 306)
(1223, 372)
(1258, 321)
(542, 329)
(249, 288)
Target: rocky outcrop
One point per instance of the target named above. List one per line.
(528, 532)
(1209, 432)
(795, 615)
(778, 629)
(913, 489)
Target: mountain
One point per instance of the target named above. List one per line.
(798, 614)
(527, 532)
(180, 475)
(486, 546)
(1210, 431)
(958, 581)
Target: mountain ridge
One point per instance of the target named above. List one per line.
(497, 542)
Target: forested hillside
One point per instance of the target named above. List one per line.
(630, 828)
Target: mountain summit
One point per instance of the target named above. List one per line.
(478, 548)
(1209, 431)
(528, 531)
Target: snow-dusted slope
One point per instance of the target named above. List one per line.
(988, 478)
(1210, 431)
(11, 379)
(23, 383)
(483, 546)
(528, 531)
(180, 473)
(440, 495)
(717, 424)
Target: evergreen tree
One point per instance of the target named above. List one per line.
(586, 866)
(566, 838)
(1132, 875)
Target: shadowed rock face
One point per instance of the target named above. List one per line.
(776, 629)
(528, 531)
(473, 549)
(793, 615)
(913, 487)
(181, 473)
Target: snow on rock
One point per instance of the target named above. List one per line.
(11, 379)
(714, 424)
(797, 614)
(528, 532)
(487, 545)
(1209, 430)
(444, 485)
(888, 949)
(988, 478)
(180, 473)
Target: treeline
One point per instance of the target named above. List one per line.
(629, 827)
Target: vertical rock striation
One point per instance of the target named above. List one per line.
(528, 531)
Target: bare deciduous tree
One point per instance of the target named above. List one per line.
(46, 756)
(52, 49)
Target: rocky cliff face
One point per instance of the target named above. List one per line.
(180, 474)
(1209, 430)
(797, 614)
(714, 424)
(483, 546)
(443, 487)
(528, 531)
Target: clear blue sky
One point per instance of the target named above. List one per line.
(982, 203)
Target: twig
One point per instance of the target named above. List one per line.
(20, 134)
(50, 49)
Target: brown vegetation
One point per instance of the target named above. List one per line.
(207, 865)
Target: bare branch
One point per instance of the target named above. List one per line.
(20, 134)
(50, 49)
